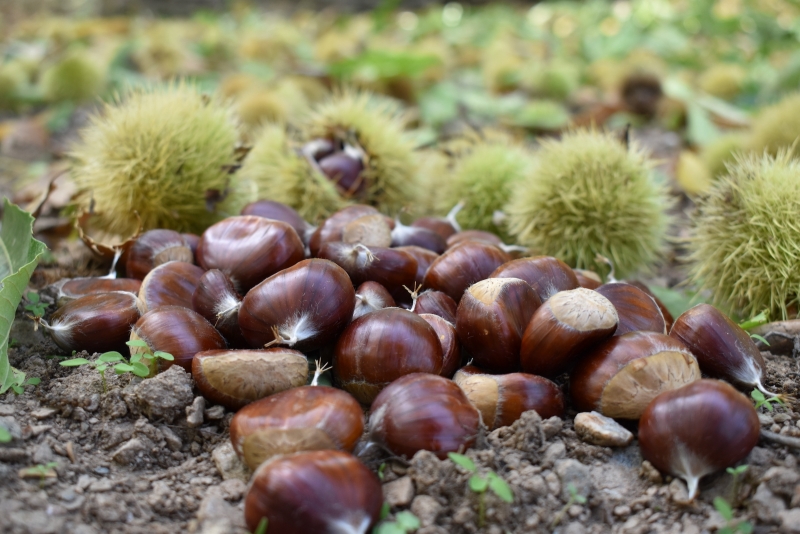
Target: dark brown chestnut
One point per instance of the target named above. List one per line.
(317, 149)
(304, 307)
(153, 248)
(95, 323)
(405, 236)
(620, 377)
(269, 209)
(234, 378)
(313, 493)
(563, 328)
(191, 240)
(479, 236)
(382, 346)
(698, 429)
(390, 267)
(444, 226)
(668, 318)
(304, 418)
(178, 331)
(545, 274)
(451, 349)
(588, 279)
(424, 259)
(217, 301)
(72, 288)
(491, 318)
(636, 309)
(332, 228)
(249, 249)
(423, 412)
(502, 399)
(170, 284)
(369, 230)
(371, 296)
(344, 169)
(463, 265)
(436, 303)
(722, 348)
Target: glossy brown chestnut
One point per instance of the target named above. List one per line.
(423, 412)
(305, 418)
(436, 303)
(269, 209)
(463, 265)
(170, 284)
(390, 267)
(95, 323)
(371, 296)
(588, 279)
(451, 348)
(545, 274)
(72, 288)
(563, 328)
(620, 377)
(344, 169)
(153, 248)
(441, 226)
(636, 309)
(369, 230)
(721, 347)
(331, 229)
(217, 301)
(479, 236)
(249, 249)
(382, 346)
(191, 240)
(178, 331)
(491, 318)
(502, 399)
(234, 378)
(698, 429)
(405, 236)
(668, 318)
(304, 307)
(319, 148)
(313, 493)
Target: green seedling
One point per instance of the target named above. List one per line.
(5, 435)
(403, 522)
(479, 484)
(736, 472)
(18, 381)
(36, 306)
(761, 400)
(758, 320)
(146, 357)
(262, 526)
(139, 364)
(574, 497)
(381, 471)
(40, 471)
(732, 526)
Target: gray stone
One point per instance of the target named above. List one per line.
(43, 454)
(426, 508)
(231, 489)
(575, 528)
(36, 521)
(127, 452)
(6, 409)
(790, 521)
(108, 507)
(215, 413)
(194, 413)
(600, 430)
(228, 463)
(43, 413)
(575, 473)
(12, 426)
(554, 451)
(101, 486)
(165, 396)
(781, 481)
(216, 515)
(173, 440)
(551, 427)
(766, 505)
(399, 492)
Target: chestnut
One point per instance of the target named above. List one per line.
(369, 230)
(463, 265)
(304, 418)
(479, 236)
(380, 347)
(491, 318)
(404, 236)
(588, 279)
(153, 248)
(424, 259)
(191, 240)
(545, 274)
(313, 493)
(96, 323)
(317, 149)
(620, 377)
(636, 309)
(564, 327)
(698, 429)
(668, 318)
(722, 348)
(444, 226)
(451, 349)
(234, 378)
(344, 170)
(390, 267)
(423, 412)
(269, 209)
(178, 331)
(170, 284)
(371, 296)
(502, 399)
(249, 249)
(217, 301)
(305, 306)
(72, 288)
(332, 228)
(437, 303)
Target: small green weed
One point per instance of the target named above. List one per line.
(40, 471)
(262, 526)
(736, 472)
(139, 364)
(5, 435)
(479, 484)
(574, 497)
(403, 522)
(761, 400)
(19, 381)
(732, 526)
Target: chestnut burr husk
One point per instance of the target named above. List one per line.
(491, 318)
(218, 302)
(668, 318)
(436, 224)
(463, 265)
(636, 309)
(620, 377)
(502, 399)
(313, 493)
(423, 412)
(698, 429)
(154, 248)
(563, 328)
(170, 284)
(269, 209)
(588, 279)
(451, 348)
(405, 236)
(436, 303)
(249, 249)
(390, 267)
(178, 331)
(95, 323)
(722, 348)
(304, 307)
(371, 296)
(304, 418)
(545, 274)
(72, 288)
(332, 228)
(234, 378)
(369, 230)
(382, 346)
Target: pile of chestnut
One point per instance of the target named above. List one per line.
(433, 330)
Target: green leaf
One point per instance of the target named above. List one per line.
(75, 362)
(500, 488)
(123, 368)
(478, 484)
(109, 357)
(136, 343)
(101, 367)
(33, 381)
(385, 509)
(5, 435)
(136, 358)
(757, 395)
(407, 521)
(723, 508)
(760, 338)
(737, 470)
(32, 297)
(140, 369)
(758, 320)
(19, 254)
(745, 527)
(262, 526)
(163, 355)
(388, 528)
(463, 461)
(381, 470)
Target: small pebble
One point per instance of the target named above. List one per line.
(598, 429)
